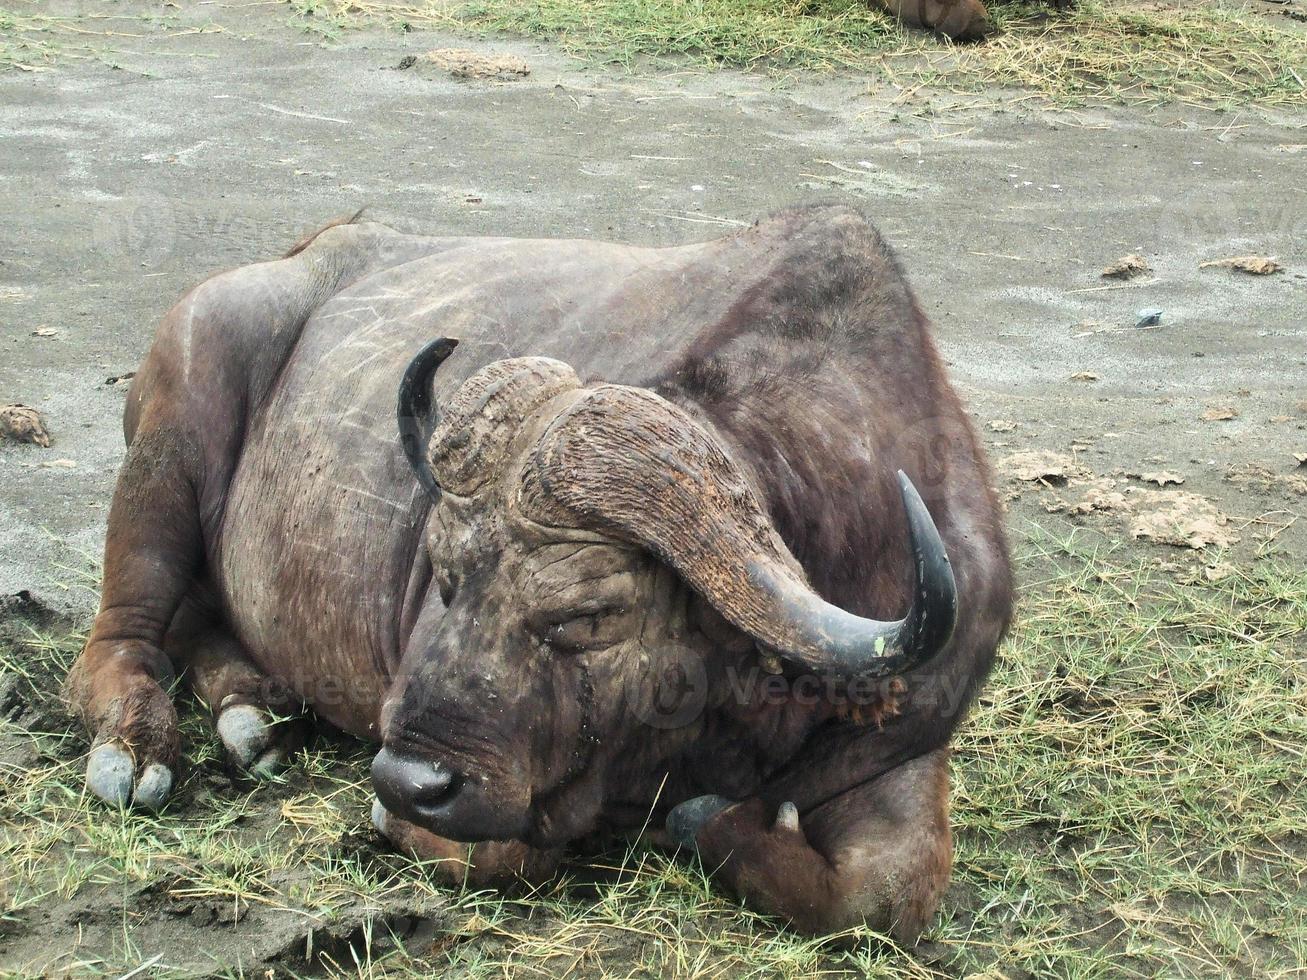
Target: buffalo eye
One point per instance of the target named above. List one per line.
(591, 627)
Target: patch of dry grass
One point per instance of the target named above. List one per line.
(1137, 51)
(1100, 50)
(1118, 51)
(1129, 802)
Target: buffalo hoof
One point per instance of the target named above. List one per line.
(256, 741)
(111, 775)
(686, 819)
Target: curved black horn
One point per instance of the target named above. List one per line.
(628, 462)
(415, 412)
(929, 623)
(827, 638)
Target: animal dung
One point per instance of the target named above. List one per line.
(1180, 519)
(23, 424)
(1127, 267)
(1160, 477)
(464, 63)
(1038, 467)
(1253, 265)
(1220, 413)
(1170, 517)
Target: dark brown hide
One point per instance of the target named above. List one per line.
(268, 535)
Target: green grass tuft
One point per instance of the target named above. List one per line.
(1129, 801)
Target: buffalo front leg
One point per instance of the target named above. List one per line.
(474, 865)
(260, 721)
(879, 854)
(120, 684)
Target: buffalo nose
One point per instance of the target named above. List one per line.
(412, 788)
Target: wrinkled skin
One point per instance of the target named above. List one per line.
(537, 679)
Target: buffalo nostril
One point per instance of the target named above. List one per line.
(407, 785)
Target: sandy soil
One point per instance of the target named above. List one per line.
(126, 185)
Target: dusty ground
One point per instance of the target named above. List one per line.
(124, 186)
(130, 178)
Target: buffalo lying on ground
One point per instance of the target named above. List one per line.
(653, 544)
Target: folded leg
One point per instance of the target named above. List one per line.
(879, 854)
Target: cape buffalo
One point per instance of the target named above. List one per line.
(647, 547)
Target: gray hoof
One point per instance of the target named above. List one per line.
(246, 733)
(153, 787)
(111, 775)
(378, 815)
(269, 763)
(109, 772)
(686, 819)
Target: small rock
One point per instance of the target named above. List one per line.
(1218, 572)
(1220, 413)
(1148, 317)
(1084, 376)
(1002, 425)
(45, 332)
